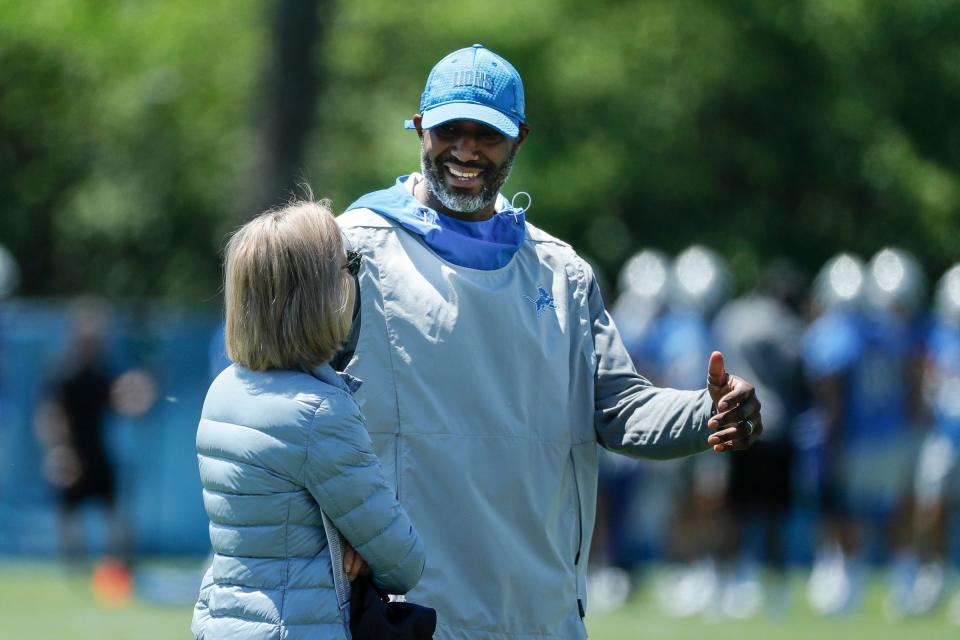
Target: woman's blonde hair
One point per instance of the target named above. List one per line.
(286, 289)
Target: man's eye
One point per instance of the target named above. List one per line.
(448, 132)
(490, 135)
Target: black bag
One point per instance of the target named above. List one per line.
(374, 617)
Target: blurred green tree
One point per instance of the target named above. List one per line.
(291, 78)
(124, 130)
(135, 134)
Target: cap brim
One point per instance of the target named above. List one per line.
(470, 111)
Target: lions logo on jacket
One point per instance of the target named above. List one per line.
(543, 302)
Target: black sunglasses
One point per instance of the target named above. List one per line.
(353, 263)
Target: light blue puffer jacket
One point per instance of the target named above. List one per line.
(274, 448)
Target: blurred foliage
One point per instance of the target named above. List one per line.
(761, 129)
(123, 132)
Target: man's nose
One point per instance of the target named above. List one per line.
(465, 147)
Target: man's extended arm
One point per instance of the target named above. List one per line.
(633, 417)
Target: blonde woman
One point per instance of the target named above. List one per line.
(281, 438)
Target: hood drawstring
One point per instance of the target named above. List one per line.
(427, 216)
(515, 211)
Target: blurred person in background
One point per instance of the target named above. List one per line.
(862, 357)
(695, 524)
(837, 296)
(282, 447)
(761, 335)
(640, 309)
(631, 521)
(937, 483)
(493, 371)
(69, 424)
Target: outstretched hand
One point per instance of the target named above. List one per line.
(737, 422)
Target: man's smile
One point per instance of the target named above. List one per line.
(464, 177)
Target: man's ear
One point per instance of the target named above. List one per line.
(524, 131)
(417, 124)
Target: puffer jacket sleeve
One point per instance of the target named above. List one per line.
(346, 479)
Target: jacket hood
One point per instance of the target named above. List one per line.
(487, 244)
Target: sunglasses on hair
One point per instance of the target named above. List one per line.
(353, 263)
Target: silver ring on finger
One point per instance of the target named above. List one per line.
(748, 425)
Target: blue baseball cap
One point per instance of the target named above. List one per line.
(473, 84)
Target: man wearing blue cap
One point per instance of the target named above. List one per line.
(492, 371)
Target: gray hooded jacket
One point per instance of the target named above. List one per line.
(486, 394)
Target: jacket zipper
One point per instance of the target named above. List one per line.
(576, 489)
(340, 583)
(576, 559)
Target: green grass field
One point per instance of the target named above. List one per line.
(41, 601)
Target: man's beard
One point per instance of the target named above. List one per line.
(463, 201)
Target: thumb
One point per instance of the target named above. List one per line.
(716, 373)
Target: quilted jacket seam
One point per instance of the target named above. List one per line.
(269, 472)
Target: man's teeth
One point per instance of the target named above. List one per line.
(464, 174)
